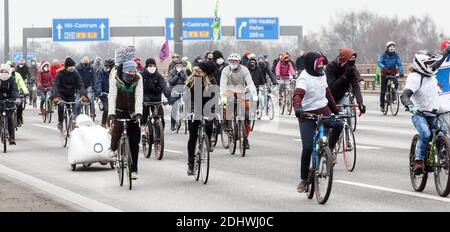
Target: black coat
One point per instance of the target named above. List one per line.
(154, 86)
(206, 99)
(340, 79)
(218, 72)
(300, 63)
(88, 75)
(176, 79)
(24, 72)
(257, 76)
(9, 91)
(67, 83)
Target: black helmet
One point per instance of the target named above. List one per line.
(109, 63)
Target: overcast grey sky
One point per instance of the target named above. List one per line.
(311, 14)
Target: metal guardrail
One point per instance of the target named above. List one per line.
(369, 82)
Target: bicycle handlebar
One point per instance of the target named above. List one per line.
(347, 106)
(155, 103)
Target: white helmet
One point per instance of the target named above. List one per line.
(388, 44)
(235, 56)
(423, 62)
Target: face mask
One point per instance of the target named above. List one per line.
(252, 66)
(128, 77)
(45, 69)
(391, 49)
(234, 66)
(220, 61)
(262, 65)
(4, 76)
(179, 69)
(151, 70)
(351, 62)
(21, 65)
(71, 69)
(286, 62)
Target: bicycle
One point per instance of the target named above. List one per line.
(320, 178)
(236, 132)
(124, 160)
(4, 122)
(392, 98)
(217, 130)
(347, 142)
(153, 129)
(202, 154)
(265, 104)
(99, 102)
(68, 123)
(285, 98)
(222, 132)
(48, 107)
(33, 93)
(86, 109)
(181, 114)
(352, 106)
(437, 158)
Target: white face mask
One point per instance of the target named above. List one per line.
(392, 49)
(4, 76)
(71, 69)
(220, 61)
(151, 70)
(179, 69)
(234, 66)
(45, 69)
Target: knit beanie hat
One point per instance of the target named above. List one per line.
(149, 62)
(129, 66)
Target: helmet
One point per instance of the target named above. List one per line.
(423, 61)
(235, 56)
(185, 59)
(109, 63)
(98, 60)
(388, 44)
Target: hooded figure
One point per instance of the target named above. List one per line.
(219, 60)
(257, 75)
(9, 91)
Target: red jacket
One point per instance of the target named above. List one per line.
(44, 79)
(53, 71)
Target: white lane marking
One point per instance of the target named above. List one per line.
(46, 127)
(367, 147)
(62, 193)
(297, 140)
(413, 194)
(172, 151)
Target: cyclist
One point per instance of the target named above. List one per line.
(67, 82)
(285, 72)
(102, 86)
(312, 95)
(125, 102)
(220, 65)
(175, 59)
(202, 80)
(422, 94)
(256, 73)
(177, 79)
(54, 68)
(88, 75)
(236, 78)
(390, 65)
(209, 56)
(9, 91)
(154, 87)
(23, 90)
(342, 75)
(23, 69)
(44, 84)
(34, 70)
(97, 65)
(263, 66)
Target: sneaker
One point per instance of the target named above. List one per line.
(134, 176)
(349, 146)
(12, 142)
(418, 167)
(302, 187)
(173, 129)
(190, 170)
(60, 126)
(382, 109)
(246, 144)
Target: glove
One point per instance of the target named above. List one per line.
(402, 75)
(224, 100)
(84, 99)
(18, 101)
(362, 108)
(299, 113)
(56, 100)
(412, 109)
(138, 117)
(255, 98)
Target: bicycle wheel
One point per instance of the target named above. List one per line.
(44, 114)
(395, 102)
(241, 138)
(215, 133)
(120, 165)
(146, 144)
(159, 139)
(49, 111)
(204, 159)
(283, 99)
(387, 99)
(260, 109)
(224, 139)
(63, 132)
(442, 167)
(126, 155)
(349, 153)
(354, 118)
(323, 176)
(271, 108)
(310, 191)
(289, 104)
(232, 138)
(4, 133)
(418, 181)
(253, 124)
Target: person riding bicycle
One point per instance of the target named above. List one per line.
(31, 82)
(88, 75)
(285, 72)
(126, 92)
(312, 95)
(264, 67)
(235, 80)
(54, 68)
(23, 91)
(421, 95)
(342, 75)
(67, 82)
(177, 79)
(154, 87)
(102, 87)
(44, 84)
(390, 64)
(201, 83)
(219, 60)
(9, 91)
(23, 69)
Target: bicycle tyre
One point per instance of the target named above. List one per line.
(354, 118)
(349, 156)
(311, 188)
(49, 111)
(271, 108)
(442, 166)
(243, 135)
(289, 103)
(205, 159)
(159, 141)
(325, 160)
(396, 104)
(44, 114)
(4, 134)
(126, 156)
(225, 142)
(421, 182)
(232, 139)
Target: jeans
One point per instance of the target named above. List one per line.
(384, 83)
(193, 137)
(61, 108)
(42, 96)
(423, 125)
(90, 95)
(307, 130)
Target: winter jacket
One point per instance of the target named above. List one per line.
(24, 72)
(266, 72)
(284, 71)
(23, 89)
(176, 79)
(206, 99)
(237, 81)
(257, 76)
(125, 98)
(102, 85)
(300, 63)
(9, 90)
(67, 83)
(218, 72)
(87, 74)
(391, 62)
(44, 79)
(54, 70)
(154, 86)
(34, 72)
(341, 78)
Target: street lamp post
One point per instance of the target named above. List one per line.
(178, 30)
(6, 55)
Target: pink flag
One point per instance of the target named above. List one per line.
(165, 52)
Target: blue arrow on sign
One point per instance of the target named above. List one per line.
(193, 28)
(73, 30)
(257, 29)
